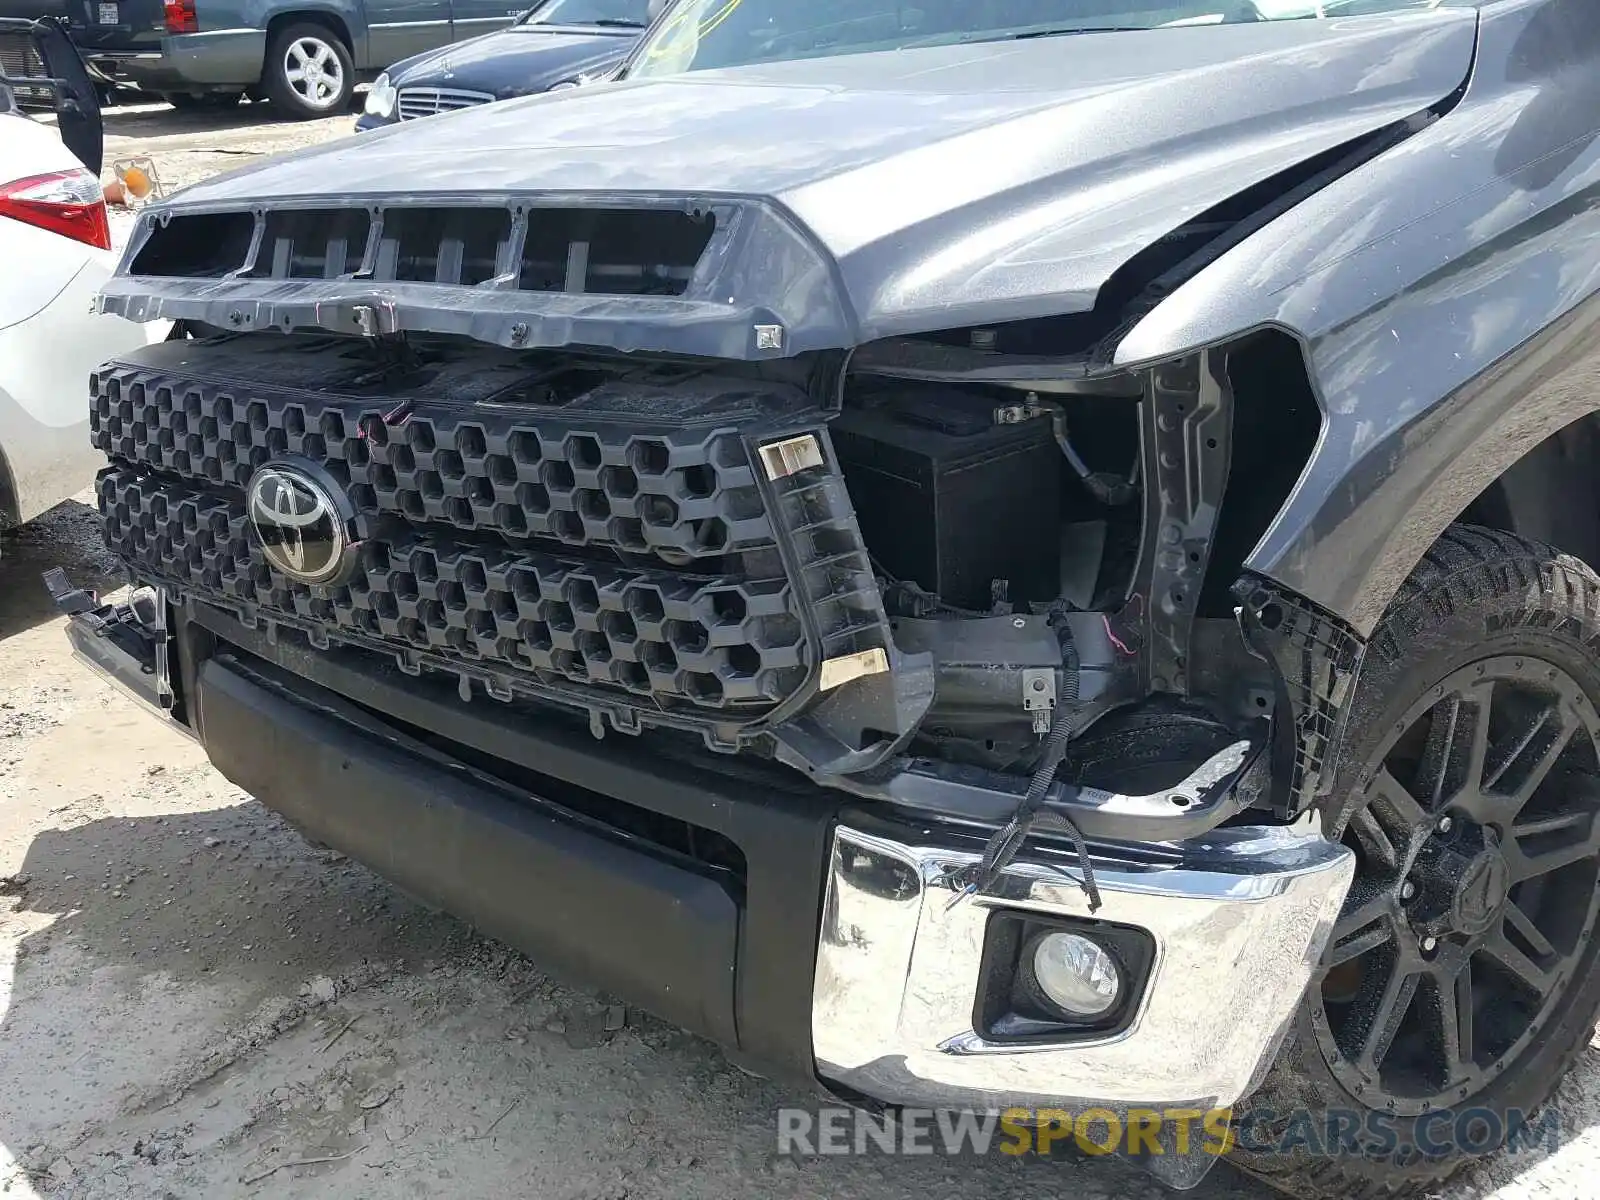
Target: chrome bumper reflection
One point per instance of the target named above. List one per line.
(1239, 925)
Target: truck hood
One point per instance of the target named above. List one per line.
(941, 186)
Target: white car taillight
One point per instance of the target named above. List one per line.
(66, 202)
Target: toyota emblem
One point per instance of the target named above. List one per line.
(302, 518)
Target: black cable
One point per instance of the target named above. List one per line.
(924, 600)
(1105, 487)
(1008, 840)
(1030, 813)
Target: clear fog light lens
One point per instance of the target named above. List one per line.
(1077, 975)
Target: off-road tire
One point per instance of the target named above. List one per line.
(1477, 593)
(281, 91)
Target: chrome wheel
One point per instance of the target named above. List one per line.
(1477, 828)
(314, 72)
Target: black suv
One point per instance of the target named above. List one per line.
(1025, 553)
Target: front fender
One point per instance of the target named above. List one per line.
(1447, 296)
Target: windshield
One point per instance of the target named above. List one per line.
(627, 14)
(698, 35)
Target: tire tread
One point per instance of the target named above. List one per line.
(1526, 583)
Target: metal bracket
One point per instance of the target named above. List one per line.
(1039, 696)
(1186, 427)
(374, 318)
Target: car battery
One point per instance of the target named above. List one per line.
(952, 501)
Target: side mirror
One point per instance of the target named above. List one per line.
(77, 104)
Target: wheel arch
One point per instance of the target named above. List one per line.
(1423, 683)
(1380, 492)
(332, 21)
(340, 30)
(1551, 494)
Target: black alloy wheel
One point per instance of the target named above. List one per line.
(1463, 972)
(1478, 847)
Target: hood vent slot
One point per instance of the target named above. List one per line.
(197, 246)
(458, 246)
(313, 243)
(613, 252)
(598, 251)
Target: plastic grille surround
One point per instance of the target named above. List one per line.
(583, 529)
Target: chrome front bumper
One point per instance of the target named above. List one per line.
(1239, 918)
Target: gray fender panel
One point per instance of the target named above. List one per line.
(1446, 294)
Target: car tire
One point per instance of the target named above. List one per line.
(308, 72)
(1422, 1020)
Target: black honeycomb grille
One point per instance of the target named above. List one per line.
(568, 527)
(517, 620)
(685, 493)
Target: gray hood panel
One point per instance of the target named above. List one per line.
(946, 185)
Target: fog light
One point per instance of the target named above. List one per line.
(1076, 974)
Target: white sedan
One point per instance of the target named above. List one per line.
(55, 253)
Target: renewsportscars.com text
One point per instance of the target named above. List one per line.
(1175, 1131)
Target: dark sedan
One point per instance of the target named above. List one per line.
(553, 45)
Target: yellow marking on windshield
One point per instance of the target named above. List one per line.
(727, 11)
(664, 43)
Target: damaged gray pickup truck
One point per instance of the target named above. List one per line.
(1013, 554)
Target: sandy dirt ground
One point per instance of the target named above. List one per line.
(194, 1003)
(190, 146)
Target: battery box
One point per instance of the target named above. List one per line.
(952, 501)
